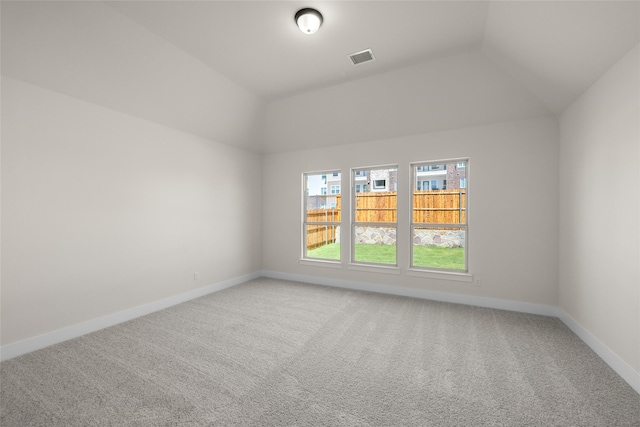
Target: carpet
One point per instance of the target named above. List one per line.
(276, 353)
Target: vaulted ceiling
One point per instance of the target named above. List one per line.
(217, 68)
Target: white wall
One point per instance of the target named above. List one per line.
(91, 51)
(513, 206)
(448, 93)
(102, 211)
(599, 210)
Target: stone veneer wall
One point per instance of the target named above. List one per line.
(376, 235)
(440, 238)
(423, 237)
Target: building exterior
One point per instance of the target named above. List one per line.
(443, 176)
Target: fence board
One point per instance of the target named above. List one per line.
(320, 235)
(376, 207)
(440, 206)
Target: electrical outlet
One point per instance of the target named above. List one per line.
(196, 276)
(478, 282)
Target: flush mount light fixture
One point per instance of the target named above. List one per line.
(308, 20)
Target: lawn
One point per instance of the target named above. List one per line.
(424, 256)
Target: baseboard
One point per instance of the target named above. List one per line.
(10, 351)
(522, 307)
(621, 367)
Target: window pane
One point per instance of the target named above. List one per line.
(322, 216)
(439, 216)
(375, 214)
(323, 241)
(317, 197)
(375, 201)
(375, 245)
(442, 248)
(439, 195)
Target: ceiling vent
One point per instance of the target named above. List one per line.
(363, 56)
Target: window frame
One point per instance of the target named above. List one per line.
(416, 167)
(305, 223)
(354, 224)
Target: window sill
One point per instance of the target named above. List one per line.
(320, 263)
(375, 268)
(443, 275)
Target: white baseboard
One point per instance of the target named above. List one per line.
(522, 307)
(621, 367)
(45, 340)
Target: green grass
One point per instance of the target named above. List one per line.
(435, 257)
(424, 256)
(380, 254)
(330, 251)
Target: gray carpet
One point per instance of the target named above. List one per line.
(276, 353)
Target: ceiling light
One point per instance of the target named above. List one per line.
(308, 20)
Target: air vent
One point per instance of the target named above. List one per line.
(360, 57)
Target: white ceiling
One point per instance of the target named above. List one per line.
(192, 64)
(258, 45)
(557, 49)
(565, 44)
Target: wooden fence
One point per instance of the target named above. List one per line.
(440, 206)
(319, 235)
(376, 207)
(436, 207)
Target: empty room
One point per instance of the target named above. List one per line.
(354, 213)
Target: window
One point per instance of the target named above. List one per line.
(321, 224)
(439, 219)
(380, 184)
(431, 168)
(374, 224)
(438, 231)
